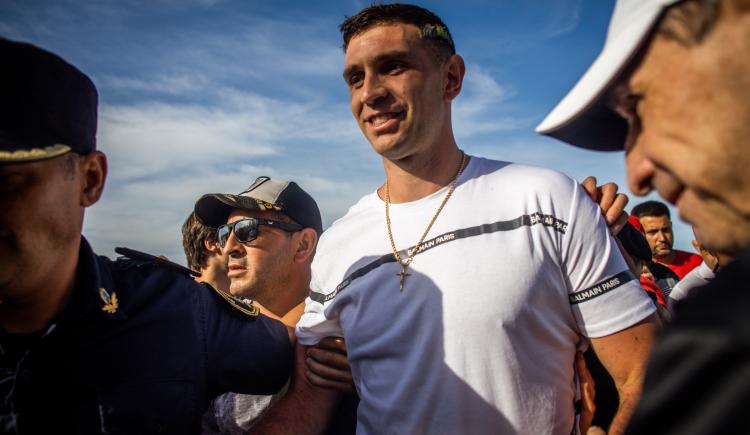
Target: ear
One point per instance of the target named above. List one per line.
(212, 246)
(308, 240)
(454, 70)
(93, 167)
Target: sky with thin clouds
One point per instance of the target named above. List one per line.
(202, 96)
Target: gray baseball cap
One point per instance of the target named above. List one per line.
(213, 209)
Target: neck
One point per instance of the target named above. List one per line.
(416, 176)
(282, 306)
(291, 293)
(667, 259)
(216, 279)
(36, 308)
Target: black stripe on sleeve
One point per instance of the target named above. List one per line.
(601, 288)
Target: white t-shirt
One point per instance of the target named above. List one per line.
(235, 414)
(517, 268)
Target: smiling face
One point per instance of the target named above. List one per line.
(688, 108)
(397, 90)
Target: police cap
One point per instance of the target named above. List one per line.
(48, 105)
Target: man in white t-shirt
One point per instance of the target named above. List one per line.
(476, 330)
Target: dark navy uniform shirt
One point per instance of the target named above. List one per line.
(141, 348)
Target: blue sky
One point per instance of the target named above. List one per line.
(203, 96)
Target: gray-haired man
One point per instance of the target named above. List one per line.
(672, 88)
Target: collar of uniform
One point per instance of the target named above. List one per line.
(94, 288)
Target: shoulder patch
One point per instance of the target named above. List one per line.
(161, 261)
(243, 305)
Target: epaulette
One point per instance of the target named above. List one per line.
(241, 304)
(132, 254)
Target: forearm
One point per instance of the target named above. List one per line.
(304, 410)
(293, 414)
(630, 394)
(624, 355)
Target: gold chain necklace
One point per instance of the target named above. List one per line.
(405, 263)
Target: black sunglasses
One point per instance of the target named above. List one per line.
(246, 230)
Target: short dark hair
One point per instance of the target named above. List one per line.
(431, 27)
(194, 238)
(650, 208)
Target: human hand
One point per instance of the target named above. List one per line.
(709, 258)
(646, 273)
(610, 202)
(328, 365)
(595, 430)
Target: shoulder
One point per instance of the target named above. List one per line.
(522, 177)
(688, 257)
(142, 279)
(357, 217)
(135, 269)
(146, 278)
(131, 258)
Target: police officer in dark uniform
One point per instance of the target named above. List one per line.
(90, 345)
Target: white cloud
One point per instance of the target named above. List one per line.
(175, 84)
(163, 156)
(157, 138)
(480, 109)
(190, 109)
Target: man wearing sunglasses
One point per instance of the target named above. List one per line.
(87, 344)
(269, 233)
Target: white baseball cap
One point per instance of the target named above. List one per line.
(582, 117)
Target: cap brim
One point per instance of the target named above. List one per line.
(33, 154)
(213, 209)
(582, 117)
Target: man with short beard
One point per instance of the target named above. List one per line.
(657, 227)
(269, 233)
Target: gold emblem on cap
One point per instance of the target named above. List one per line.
(34, 153)
(110, 301)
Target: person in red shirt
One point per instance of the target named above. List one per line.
(633, 241)
(657, 226)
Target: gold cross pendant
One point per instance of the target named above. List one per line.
(402, 277)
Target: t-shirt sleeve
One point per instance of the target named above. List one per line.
(604, 295)
(244, 354)
(320, 319)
